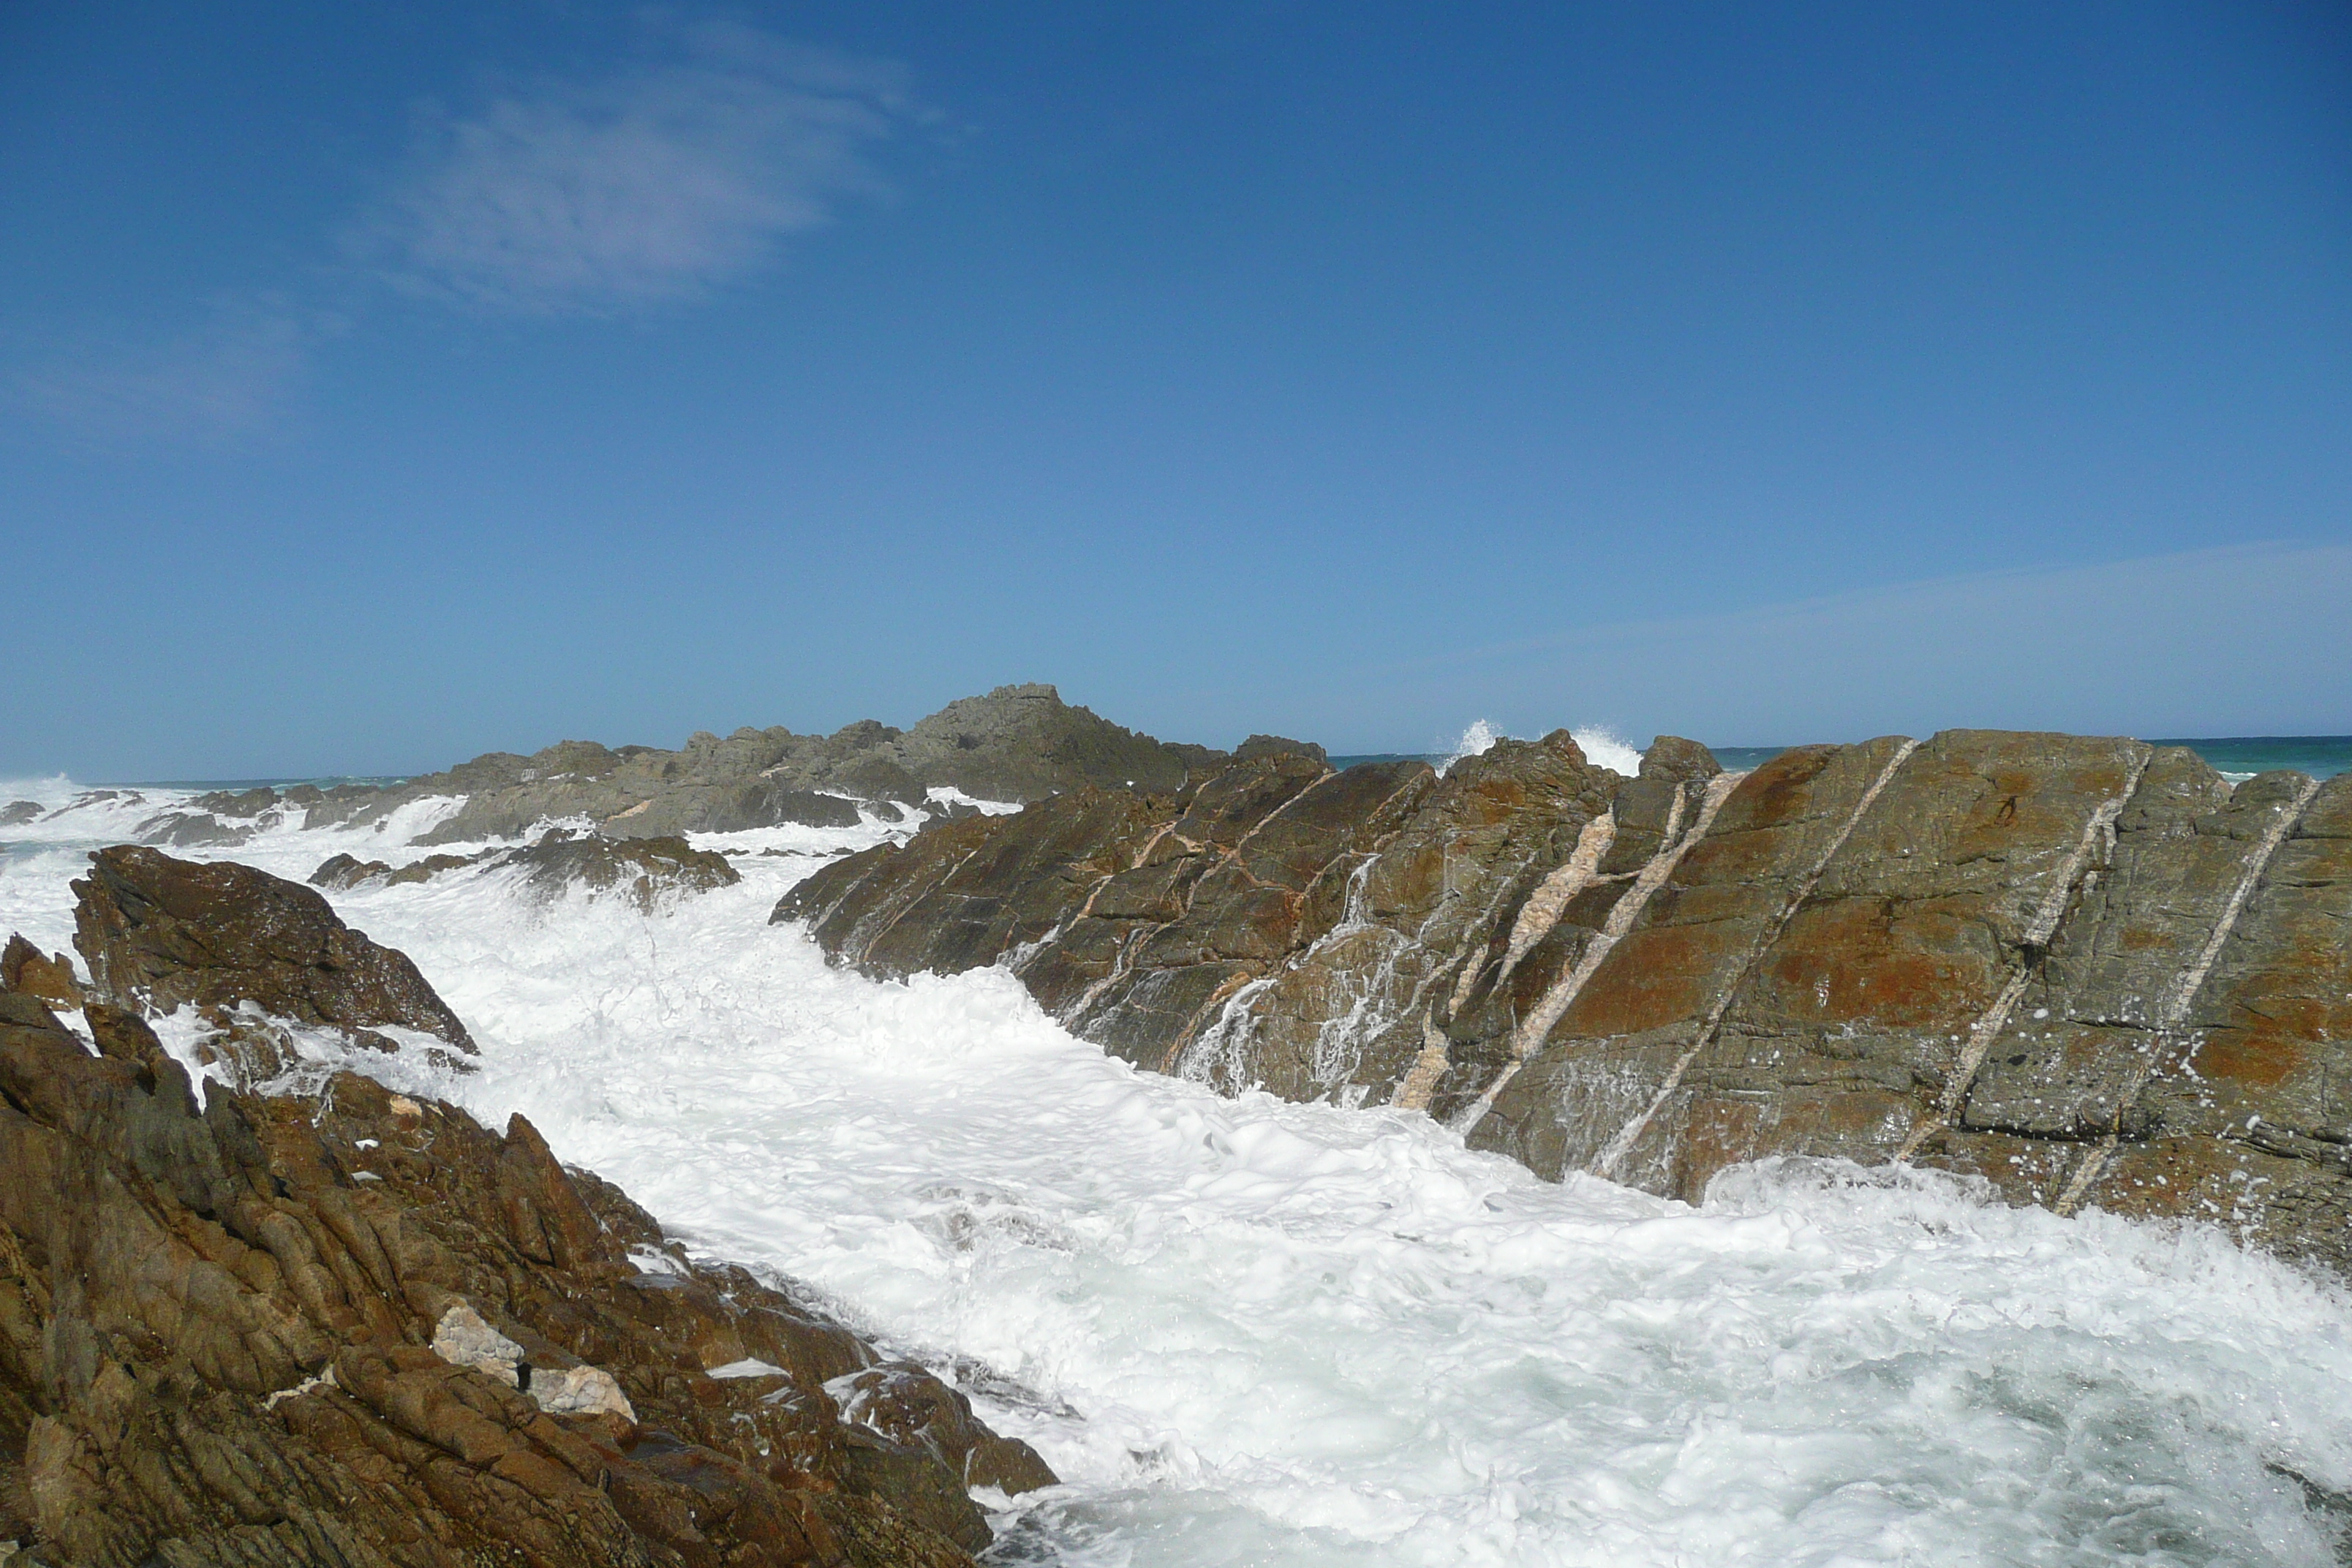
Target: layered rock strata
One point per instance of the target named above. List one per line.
(360, 1330)
(1278, 924)
(2086, 970)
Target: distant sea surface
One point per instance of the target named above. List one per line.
(2239, 756)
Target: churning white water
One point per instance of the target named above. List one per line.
(1254, 1333)
(1602, 746)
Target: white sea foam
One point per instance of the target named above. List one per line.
(1258, 1333)
(1602, 745)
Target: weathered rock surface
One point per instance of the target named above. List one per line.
(47, 976)
(360, 1330)
(1278, 924)
(166, 933)
(1017, 744)
(645, 870)
(17, 813)
(2088, 970)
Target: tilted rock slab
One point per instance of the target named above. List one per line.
(2085, 969)
(1278, 924)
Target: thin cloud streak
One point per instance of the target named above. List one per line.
(225, 378)
(658, 184)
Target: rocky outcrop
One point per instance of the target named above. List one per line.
(1279, 924)
(49, 977)
(360, 1330)
(17, 813)
(365, 1330)
(1017, 744)
(645, 870)
(2086, 970)
(160, 933)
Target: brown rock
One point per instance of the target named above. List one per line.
(2089, 971)
(227, 1337)
(23, 967)
(160, 933)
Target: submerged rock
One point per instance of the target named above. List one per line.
(2085, 969)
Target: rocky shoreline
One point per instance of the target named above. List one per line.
(344, 1326)
(2089, 971)
(289, 1316)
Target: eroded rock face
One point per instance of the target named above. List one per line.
(160, 933)
(2085, 969)
(363, 1330)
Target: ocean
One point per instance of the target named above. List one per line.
(1250, 1332)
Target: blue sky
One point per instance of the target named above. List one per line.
(383, 384)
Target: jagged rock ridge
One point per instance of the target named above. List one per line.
(360, 1329)
(2086, 970)
(1017, 744)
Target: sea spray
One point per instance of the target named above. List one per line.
(1251, 1331)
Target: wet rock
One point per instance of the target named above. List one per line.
(191, 830)
(17, 813)
(160, 933)
(245, 803)
(26, 968)
(909, 1405)
(344, 872)
(2085, 969)
(366, 1330)
(645, 870)
(1273, 924)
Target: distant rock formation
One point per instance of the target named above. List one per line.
(2089, 971)
(646, 870)
(359, 1328)
(1017, 744)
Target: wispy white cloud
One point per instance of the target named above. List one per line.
(657, 183)
(227, 376)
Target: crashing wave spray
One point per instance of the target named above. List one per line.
(1602, 746)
